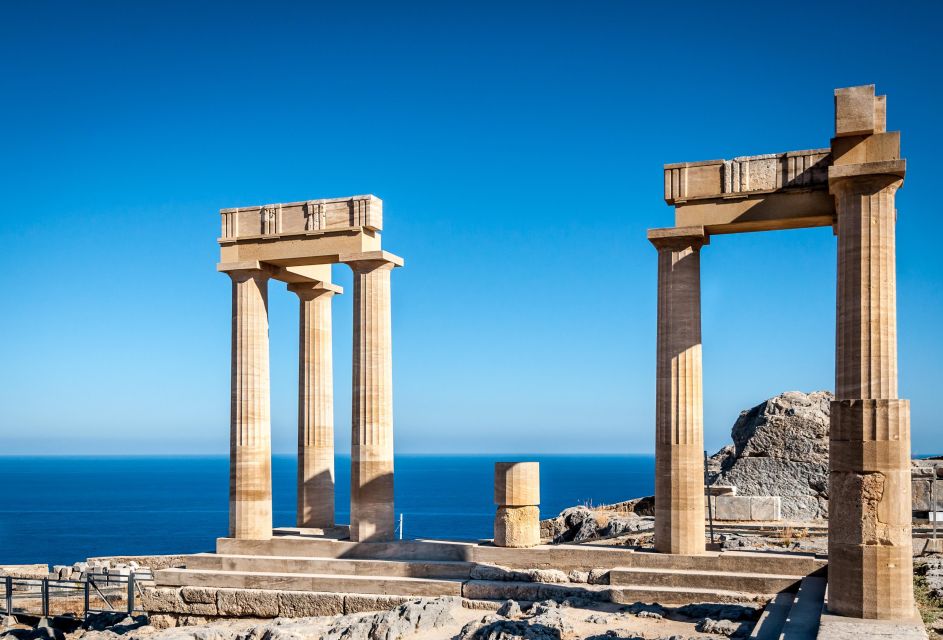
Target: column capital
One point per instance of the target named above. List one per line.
(250, 268)
(371, 260)
(867, 175)
(678, 238)
(315, 289)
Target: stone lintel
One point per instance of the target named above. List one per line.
(711, 179)
(677, 238)
(301, 249)
(272, 220)
(372, 256)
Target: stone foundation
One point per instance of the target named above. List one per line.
(177, 606)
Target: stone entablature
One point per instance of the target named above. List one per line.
(747, 174)
(301, 218)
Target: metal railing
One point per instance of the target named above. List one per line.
(75, 599)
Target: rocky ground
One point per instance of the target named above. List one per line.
(444, 618)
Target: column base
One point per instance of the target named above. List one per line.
(372, 515)
(679, 499)
(517, 527)
(870, 563)
(870, 581)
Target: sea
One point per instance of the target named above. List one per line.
(59, 510)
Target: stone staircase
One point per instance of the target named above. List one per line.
(793, 616)
(295, 562)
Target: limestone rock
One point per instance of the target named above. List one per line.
(780, 448)
(580, 523)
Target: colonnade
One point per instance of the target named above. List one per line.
(250, 473)
(869, 521)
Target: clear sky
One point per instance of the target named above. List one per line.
(518, 150)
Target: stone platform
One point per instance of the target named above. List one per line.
(307, 572)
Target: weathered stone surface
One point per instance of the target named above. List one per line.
(161, 600)
(255, 603)
(921, 494)
(359, 603)
(301, 604)
(580, 523)
(751, 508)
(517, 527)
(781, 449)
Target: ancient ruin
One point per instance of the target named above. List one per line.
(849, 186)
(297, 242)
(319, 566)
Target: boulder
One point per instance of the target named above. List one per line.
(780, 448)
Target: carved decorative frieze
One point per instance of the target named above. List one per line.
(300, 218)
(747, 174)
(314, 216)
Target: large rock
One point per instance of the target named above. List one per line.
(780, 448)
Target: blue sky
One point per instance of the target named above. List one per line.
(518, 150)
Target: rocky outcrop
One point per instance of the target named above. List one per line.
(780, 448)
(582, 523)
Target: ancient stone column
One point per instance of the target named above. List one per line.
(250, 450)
(870, 564)
(315, 406)
(517, 494)
(679, 430)
(869, 525)
(371, 482)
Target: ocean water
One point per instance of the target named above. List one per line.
(58, 510)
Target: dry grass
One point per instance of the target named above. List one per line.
(789, 534)
(931, 609)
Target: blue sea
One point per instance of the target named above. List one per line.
(58, 510)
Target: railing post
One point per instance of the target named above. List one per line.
(86, 597)
(45, 588)
(707, 492)
(130, 593)
(9, 595)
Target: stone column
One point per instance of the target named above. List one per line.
(870, 564)
(371, 481)
(250, 450)
(517, 494)
(679, 430)
(315, 406)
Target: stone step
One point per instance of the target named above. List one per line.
(770, 624)
(802, 623)
(679, 595)
(564, 557)
(308, 582)
(330, 566)
(725, 580)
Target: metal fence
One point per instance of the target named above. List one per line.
(76, 599)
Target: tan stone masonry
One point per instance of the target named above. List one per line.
(297, 242)
(850, 186)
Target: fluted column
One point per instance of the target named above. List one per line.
(250, 449)
(315, 406)
(679, 430)
(870, 565)
(371, 484)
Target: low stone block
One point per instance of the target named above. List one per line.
(732, 508)
(161, 600)
(766, 508)
(359, 603)
(921, 495)
(199, 601)
(748, 508)
(500, 590)
(254, 603)
(299, 604)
